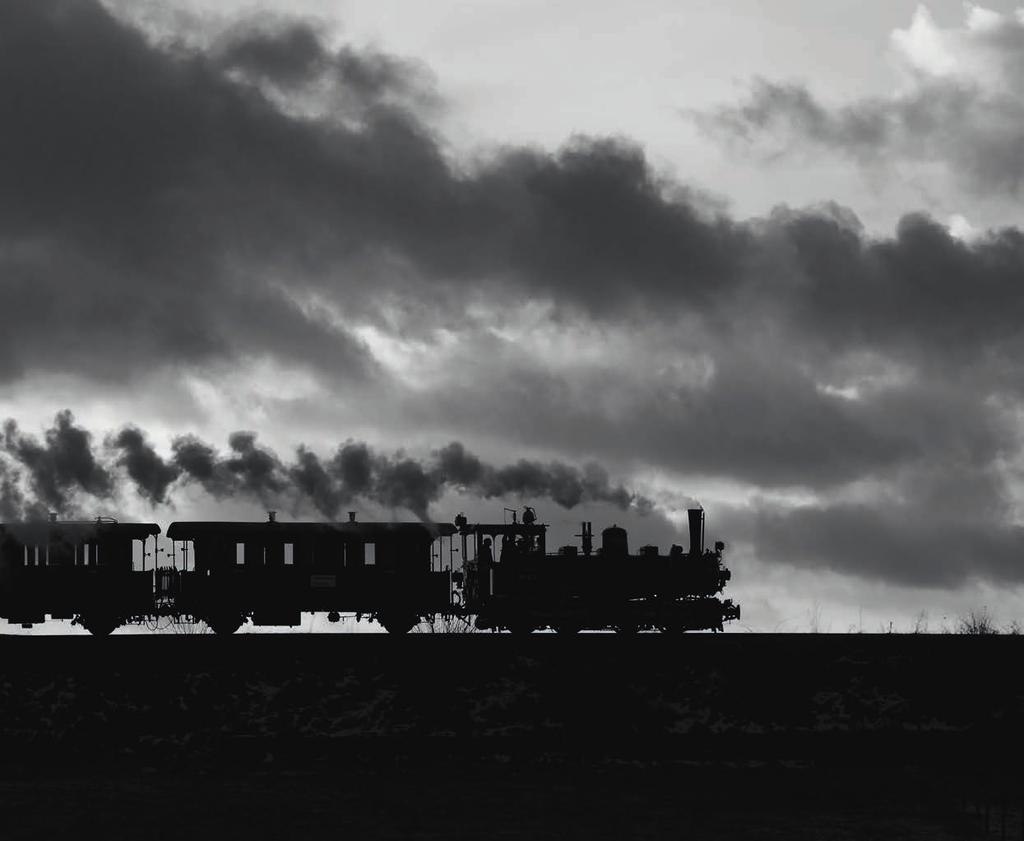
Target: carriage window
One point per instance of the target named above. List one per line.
(85, 554)
(289, 553)
(370, 553)
(139, 556)
(239, 553)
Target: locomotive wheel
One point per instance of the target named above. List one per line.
(224, 624)
(521, 628)
(99, 624)
(398, 623)
(675, 630)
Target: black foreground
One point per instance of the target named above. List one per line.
(479, 736)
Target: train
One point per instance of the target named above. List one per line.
(102, 574)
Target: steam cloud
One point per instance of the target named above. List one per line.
(64, 465)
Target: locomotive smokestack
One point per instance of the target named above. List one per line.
(53, 516)
(696, 516)
(351, 516)
(271, 516)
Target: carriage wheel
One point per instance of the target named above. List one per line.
(99, 624)
(397, 622)
(224, 624)
(521, 628)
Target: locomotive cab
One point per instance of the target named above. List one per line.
(497, 557)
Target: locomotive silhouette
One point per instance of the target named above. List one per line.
(500, 575)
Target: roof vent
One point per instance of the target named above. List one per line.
(271, 516)
(53, 516)
(351, 516)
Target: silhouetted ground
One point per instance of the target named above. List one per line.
(475, 736)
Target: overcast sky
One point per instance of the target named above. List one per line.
(608, 259)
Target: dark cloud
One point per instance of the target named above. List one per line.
(595, 226)
(289, 53)
(967, 115)
(898, 545)
(922, 297)
(764, 415)
(160, 206)
(862, 130)
(60, 466)
(945, 524)
(295, 57)
(148, 205)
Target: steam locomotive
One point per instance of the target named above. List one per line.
(499, 575)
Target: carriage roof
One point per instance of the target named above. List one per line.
(81, 531)
(242, 531)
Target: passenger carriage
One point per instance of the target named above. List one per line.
(272, 572)
(84, 571)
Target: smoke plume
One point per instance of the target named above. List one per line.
(64, 467)
(152, 477)
(60, 465)
(564, 484)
